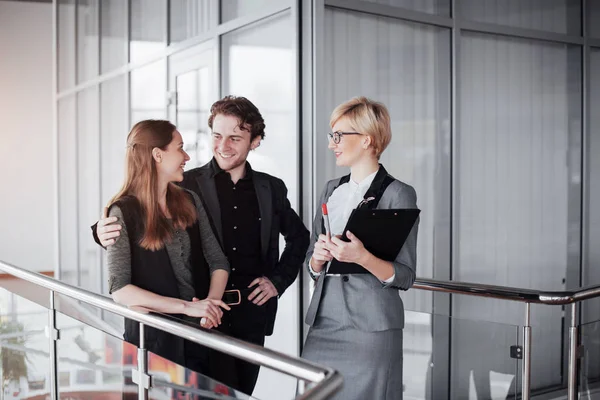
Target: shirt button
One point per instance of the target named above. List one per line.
(345, 279)
(232, 285)
(235, 207)
(260, 219)
(233, 269)
(234, 249)
(235, 227)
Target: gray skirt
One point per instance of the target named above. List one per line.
(370, 362)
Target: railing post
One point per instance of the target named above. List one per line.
(140, 376)
(301, 387)
(572, 383)
(526, 377)
(53, 335)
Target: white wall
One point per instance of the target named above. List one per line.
(27, 226)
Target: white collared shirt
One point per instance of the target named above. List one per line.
(340, 204)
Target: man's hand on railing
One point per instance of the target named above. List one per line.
(108, 229)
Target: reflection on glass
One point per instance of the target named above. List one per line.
(148, 21)
(517, 150)
(66, 44)
(591, 273)
(67, 187)
(113, 23)
(593, 16)
(88, 185)
(172, 381)
(114, 129)
(406, 66)
(232, 9)
(193, 107)
(560, 16)
(258, 63)
(25, 365)
(189, 18)
(471, 376)
(590, 361)
(148, 92)
(93, 364)
(87, 40)
(113, 132)
(441, 7)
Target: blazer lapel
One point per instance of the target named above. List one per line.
(208, 192)
(265, 205)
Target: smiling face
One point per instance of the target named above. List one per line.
(170, 162)
(230, 143)
(351, 149)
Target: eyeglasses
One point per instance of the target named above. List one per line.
(337, 136)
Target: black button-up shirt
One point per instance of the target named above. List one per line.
(241, 222)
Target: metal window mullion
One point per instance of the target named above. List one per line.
(523, 33)
(387, 11)
(127, 10)
(455, 124)
(297, 51)
(76, 39)
(585, 146)
(167, 40)
(219, 30)
(55, 139)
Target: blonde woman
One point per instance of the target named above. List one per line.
(356, 320)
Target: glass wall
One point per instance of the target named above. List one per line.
(120, 62)
(413, 79)
(518, 175)
(258, 63)
(591, 273)
(493, 122)
(488, 126)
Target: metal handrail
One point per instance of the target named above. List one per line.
(527, 296)
(509, 293)
(326, 380)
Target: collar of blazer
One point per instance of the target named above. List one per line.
(262, 186)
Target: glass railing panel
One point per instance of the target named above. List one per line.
(454, 358)
(589, 372)
(176, 382)
(24, 348)
(92, 363)
(97, 332)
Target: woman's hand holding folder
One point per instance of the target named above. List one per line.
(349, 252)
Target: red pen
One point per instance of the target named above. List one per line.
(326, 219)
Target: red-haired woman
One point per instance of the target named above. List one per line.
(167, 257)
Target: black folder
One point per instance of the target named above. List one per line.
(383, 233)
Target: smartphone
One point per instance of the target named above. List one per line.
(232, 297)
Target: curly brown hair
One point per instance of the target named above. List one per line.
(247, 114)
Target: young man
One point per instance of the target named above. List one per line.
(248, 210)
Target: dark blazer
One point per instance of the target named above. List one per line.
(277, 217)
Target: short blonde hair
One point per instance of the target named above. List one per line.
(367, 117)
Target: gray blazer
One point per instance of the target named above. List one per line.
(371, 305)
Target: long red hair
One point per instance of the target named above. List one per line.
(141, 182)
